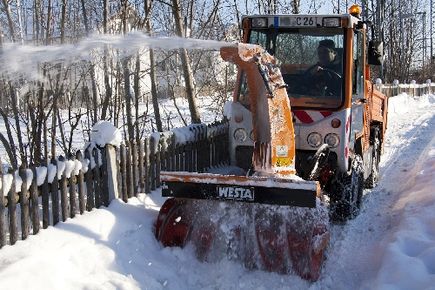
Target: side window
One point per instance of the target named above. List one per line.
(358, 57)
(258, 37)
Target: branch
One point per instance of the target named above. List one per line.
(9, 151)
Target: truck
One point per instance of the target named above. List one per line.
(306, 131)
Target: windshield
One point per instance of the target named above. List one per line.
(311, 62)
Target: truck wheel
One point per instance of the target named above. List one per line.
(373, 178)
(346, 192)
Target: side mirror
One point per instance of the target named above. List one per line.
(376, 52)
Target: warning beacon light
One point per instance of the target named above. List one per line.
(355, 10)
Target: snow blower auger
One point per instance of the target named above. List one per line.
(269, 218)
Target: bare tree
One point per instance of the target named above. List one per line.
(185, 63)
(8, 12)
(148, 8)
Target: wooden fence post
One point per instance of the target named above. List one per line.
(45, 200)
(63, 192)
(152, 163)
(104, 177)
(188, 157)
(112, 173)
(97, 177)
(141, 166)
(163, 146)
(24, 204)
(54, 189)
(72, 192)
(124, 173)
(34, 204)
(90, 199)
(2, 209)
(172, 154)
(134, 170)
(178, 155)
(158, 162)
(147, 164)
(12, 208)
(129, 173)
(81, 184)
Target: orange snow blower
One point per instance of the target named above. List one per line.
(268, 217)
(272, 214)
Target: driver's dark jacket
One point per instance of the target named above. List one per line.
(331, 81)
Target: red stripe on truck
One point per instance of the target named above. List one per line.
(303, 116)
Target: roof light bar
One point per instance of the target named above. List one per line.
(331, 22)
(259, 22)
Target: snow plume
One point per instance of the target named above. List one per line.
(19, 59)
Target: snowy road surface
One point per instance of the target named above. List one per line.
(390, 245)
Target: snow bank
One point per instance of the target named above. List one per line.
(403, 103)
(409, 261)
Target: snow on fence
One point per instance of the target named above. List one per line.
(412, 89)
(44, 195)
(37, 197)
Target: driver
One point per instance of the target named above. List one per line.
(328, 69)
(328, 56)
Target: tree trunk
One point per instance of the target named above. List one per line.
(47, 35)
(36, 19)
(85, 17)
(136, 88)
(107, 87)
(128, 98)
(62, 22)
(92, 69)
(9, 17)
(296, 4)
(153, 78)
(187, 70)
(14, 103)
(154, 95)
(20, 21)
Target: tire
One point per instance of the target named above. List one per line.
(373, 178)
(347, 190)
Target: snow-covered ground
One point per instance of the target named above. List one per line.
(390, 245)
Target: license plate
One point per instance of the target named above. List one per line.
(235, 193)
(299, 21)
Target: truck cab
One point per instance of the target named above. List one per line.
(335, 107)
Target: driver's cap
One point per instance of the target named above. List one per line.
(328, 43)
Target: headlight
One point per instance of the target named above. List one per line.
(314, 139)
(332, 140)
(240, 135)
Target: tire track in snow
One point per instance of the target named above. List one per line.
(356, 250)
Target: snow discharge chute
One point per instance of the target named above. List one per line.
(269, 218)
